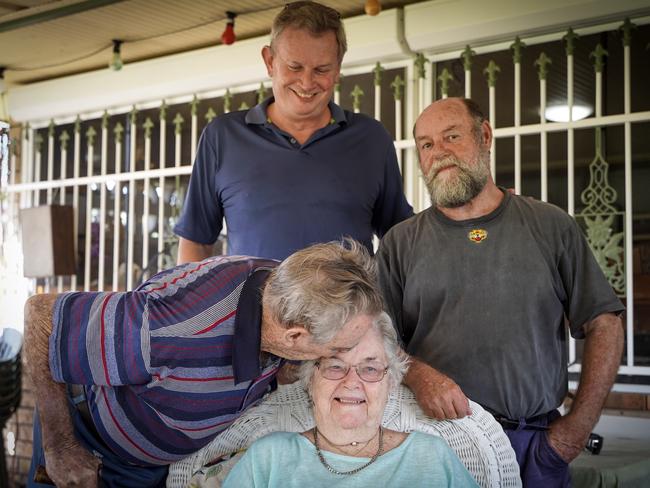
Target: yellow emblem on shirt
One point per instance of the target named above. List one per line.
(477, 235)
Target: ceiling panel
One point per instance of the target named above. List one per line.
(72, 36)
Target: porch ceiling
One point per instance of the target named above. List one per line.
(44, 39)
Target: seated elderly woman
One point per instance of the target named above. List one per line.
(348, 446)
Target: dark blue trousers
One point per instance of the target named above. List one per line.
(540, 465)
(115, 473)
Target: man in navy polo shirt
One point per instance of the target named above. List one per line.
(296, 169)
(127, 383)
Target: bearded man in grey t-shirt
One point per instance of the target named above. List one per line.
(481, 286)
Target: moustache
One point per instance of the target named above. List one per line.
(444, 163)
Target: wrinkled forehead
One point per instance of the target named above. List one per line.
(286, 39)
(370, 346)
(441, 115)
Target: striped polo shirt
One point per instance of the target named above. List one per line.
(170, 365)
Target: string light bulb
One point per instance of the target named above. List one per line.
(116, 61)
(372, 7)
(228, 36)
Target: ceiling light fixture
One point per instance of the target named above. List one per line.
(560, 113)
(228, 36)
(372, 7)
(116, 61)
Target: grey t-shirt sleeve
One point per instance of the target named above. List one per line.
(389, 271)
(588, 293)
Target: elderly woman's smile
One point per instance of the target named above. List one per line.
(349, 401)
(346, 404)
(348, 445)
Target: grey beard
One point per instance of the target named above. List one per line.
(467, 184)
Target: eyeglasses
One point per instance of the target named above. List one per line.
(334, 369)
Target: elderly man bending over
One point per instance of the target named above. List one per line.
(130, 382)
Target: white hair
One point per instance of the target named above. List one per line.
(397, 359)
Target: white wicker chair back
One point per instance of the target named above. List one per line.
(478, 440)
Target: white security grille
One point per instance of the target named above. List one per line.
(126, 169)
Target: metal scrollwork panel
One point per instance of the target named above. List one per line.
(601, 220)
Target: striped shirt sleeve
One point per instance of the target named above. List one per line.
(98, 339)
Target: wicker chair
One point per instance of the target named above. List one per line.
(478, 440)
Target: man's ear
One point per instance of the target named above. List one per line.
(294, 335)
(486, 134)
(337, 79)
(267, 56)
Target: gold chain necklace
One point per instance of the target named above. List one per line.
(379, 452)
(352, 444)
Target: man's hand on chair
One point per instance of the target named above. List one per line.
(437, 394)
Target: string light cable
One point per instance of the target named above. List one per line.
(111, 45)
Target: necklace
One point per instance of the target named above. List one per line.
(321, 458)
(353, 443)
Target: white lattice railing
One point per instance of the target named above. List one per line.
(419, 90)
